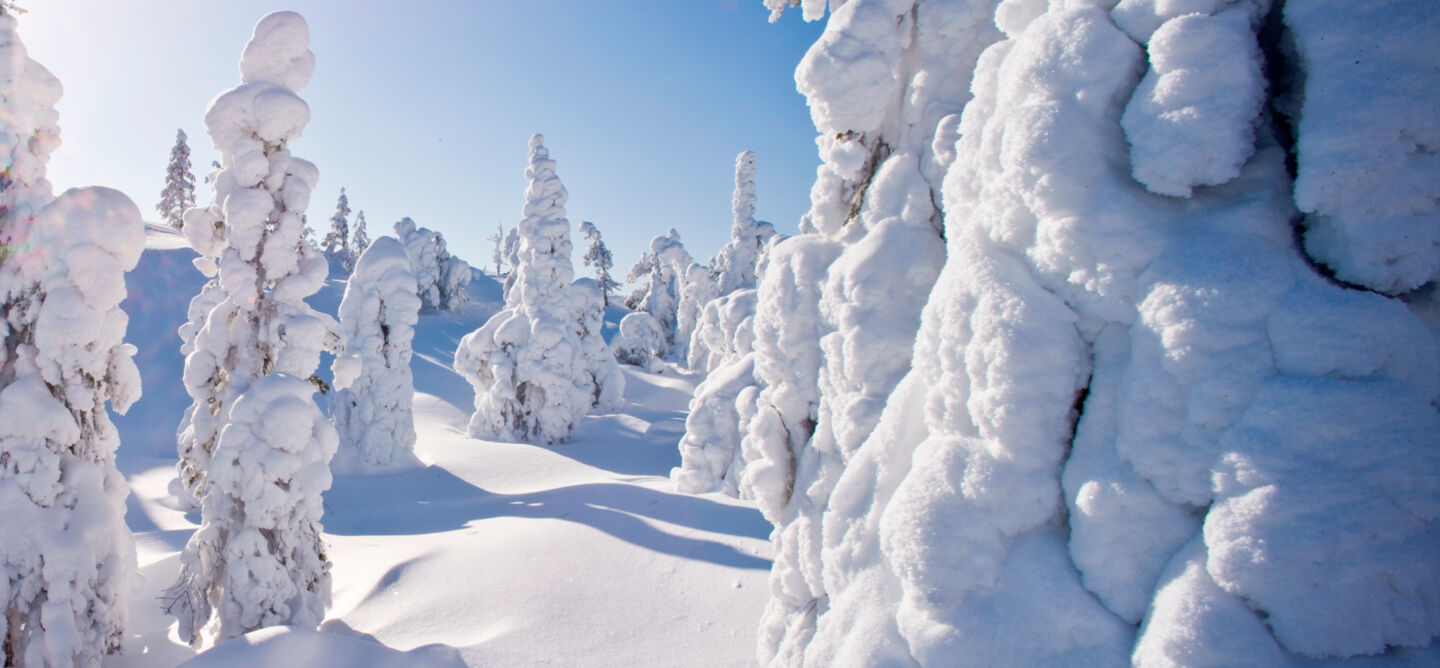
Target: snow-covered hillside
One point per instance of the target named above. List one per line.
(494, 553)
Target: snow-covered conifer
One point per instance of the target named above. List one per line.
(737, 260)
(359, 241)
(599, 368)
(640, 341)
(710, 454)
(597, 254)
(440, 277)
(638, 271)
(697, 288)
(377, 319)
(337, 241)
(498, 254)
(179, 192)
(512, 258)
(255, 448)
(526, 363)
(67, 560)
(1120, 438)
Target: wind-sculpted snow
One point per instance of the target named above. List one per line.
(377, 320)
(1368, 139)
(1126, 407)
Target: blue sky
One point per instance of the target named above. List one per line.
(424, 109)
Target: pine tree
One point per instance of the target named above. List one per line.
(179, 192)
(254, 446)
(597, 254)
(359, 241)
(337, 241)
(499, 239)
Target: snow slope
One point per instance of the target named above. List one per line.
(494, 553)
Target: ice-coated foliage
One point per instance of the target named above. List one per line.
(1368, 142)
(527, 363)
(599, 367)
(179, 192)
(1243, 451)
(67, 560)
(337, 241)
(640, 341)
(254, 447)
(440, 278)
(377, 324)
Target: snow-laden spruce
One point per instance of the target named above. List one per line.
(254, 446)
(1244, 452)
(710, 453)
(179, 192)
(67, 560)
(498, 254)
(337, 241)
(440, 277)
(736, 262)
(531, 371)
(885, 84)
(359, 239)
(597, 362)
(377, 324)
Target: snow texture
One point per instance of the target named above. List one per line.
(254, 448)
(377, 319)
(1229, 436)
(640, 342)
(67, 560)
(440, 278)
(1368, 139)
(528, 364)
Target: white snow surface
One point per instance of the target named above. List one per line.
(498, 553)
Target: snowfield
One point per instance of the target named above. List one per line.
(494, 553)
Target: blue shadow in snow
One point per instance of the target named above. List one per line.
(433, 500)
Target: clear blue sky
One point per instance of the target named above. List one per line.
(423, 109)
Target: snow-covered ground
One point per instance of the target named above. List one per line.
(494, 553)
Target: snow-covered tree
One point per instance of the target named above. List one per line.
(1139, 427)
(526, 363)
(512, 258)
(599, 368)
(254, 446)
(710, 454)
(337, 241)
(640, 341)
(440, 277)
(737, 260)
(498, 255)
(359, 241)
(179, 192)
(599, 256)
(67, 560)
(377, 319)
(638, 271)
